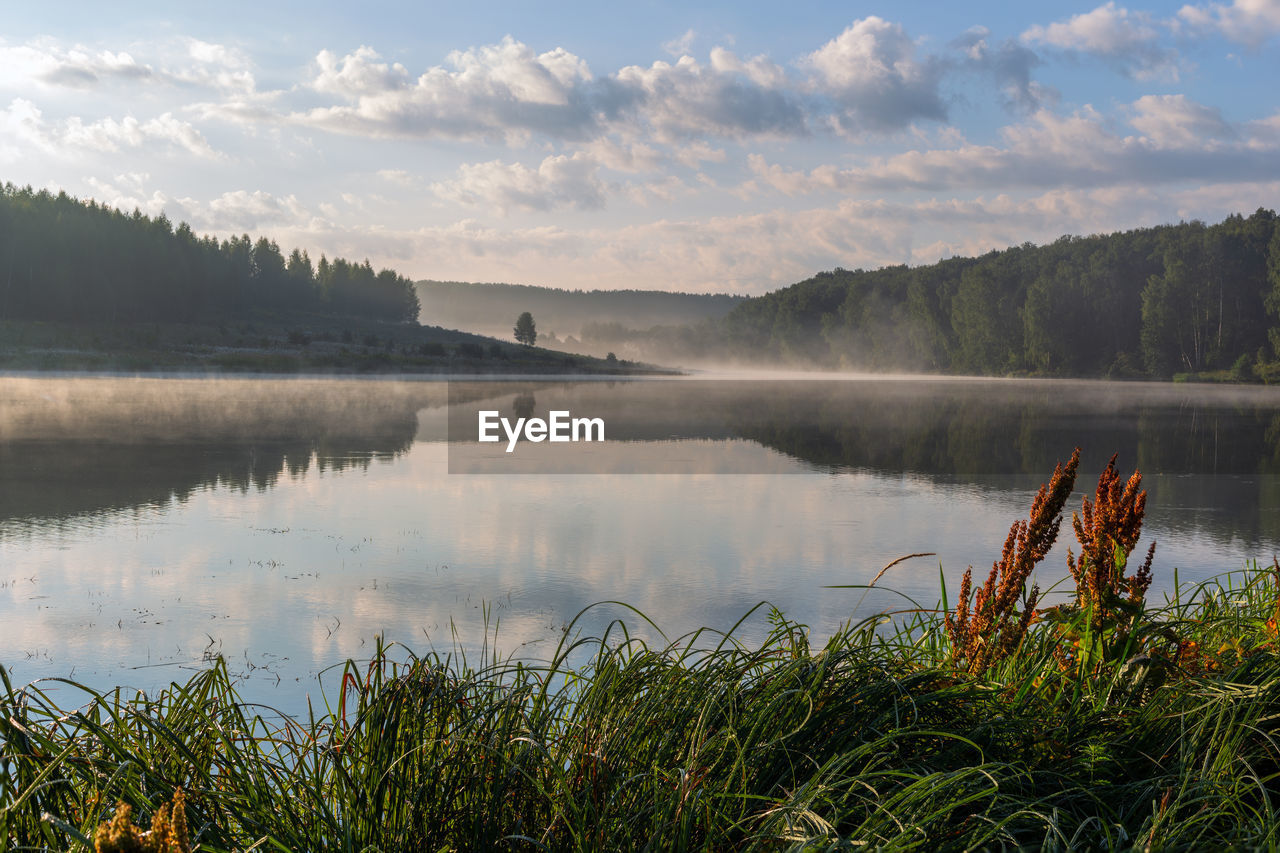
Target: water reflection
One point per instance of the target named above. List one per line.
(81, 447)
(1210, 454)
(146, 523)
(943, 428)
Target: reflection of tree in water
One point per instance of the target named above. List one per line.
(523, 405)
(933, 428)
(56, 481)
(963, 430)
(1211, 462)
(77, 447)
(92, 451)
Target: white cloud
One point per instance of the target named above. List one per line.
(241, 209)
(507, 92)
(359, 73)
(728, 98)
(625, 156)
(872, 73)
(22, 122)
(1263, 133)
(26, 122)
(1106, 30)
(682, 46)
(698, 152)
(180, 133)
(231, 212)
(1249, 22)
(247, 111)
(759, 69)
(194, 62)
(1175, 121)
(503, 91)
(657, 191)
(217, 66)
(870, 78)
(1178, 141)
(559, 181)
(397, 176)
(1129, 40)
(180, 65)
(126, 192)
(77, 67)
(216, 54)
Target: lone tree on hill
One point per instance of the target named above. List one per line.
(526, 333)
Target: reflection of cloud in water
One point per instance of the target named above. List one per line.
(615, 457)
(315, 562)
(356, 562)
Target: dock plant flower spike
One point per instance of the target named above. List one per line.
(168, 833)
(991, 627)
(1107, 530)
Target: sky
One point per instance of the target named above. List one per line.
(715, 147)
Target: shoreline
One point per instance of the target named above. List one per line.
(283, 347)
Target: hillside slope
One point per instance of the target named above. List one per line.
(492, 308)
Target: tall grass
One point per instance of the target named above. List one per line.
(874, 738)
(1164, 734)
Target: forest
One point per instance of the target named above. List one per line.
(1152, 302)
(62, 259)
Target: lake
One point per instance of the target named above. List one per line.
(147, 524)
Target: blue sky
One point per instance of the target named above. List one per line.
(729, 147)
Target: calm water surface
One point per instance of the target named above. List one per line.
(148, 524)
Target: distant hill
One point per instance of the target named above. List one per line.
(491, 309)
(1191, 299)
(1186, 301)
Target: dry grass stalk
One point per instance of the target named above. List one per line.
(900, 560)
(991, 626)
(1108, 529)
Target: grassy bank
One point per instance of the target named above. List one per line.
(312, 344)
(1105, 722)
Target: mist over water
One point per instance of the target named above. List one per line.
(146, 524)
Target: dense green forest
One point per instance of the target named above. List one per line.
(491, 308)
(1188, 298)
(63, 259)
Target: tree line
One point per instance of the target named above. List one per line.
(70, 260)
(1147, 302)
